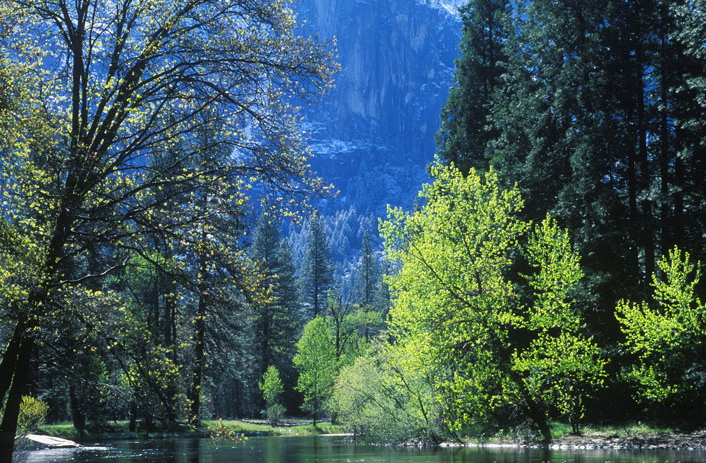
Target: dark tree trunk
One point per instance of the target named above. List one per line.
(133, 415)
(14, 373)
(199, 351)
(77, 415)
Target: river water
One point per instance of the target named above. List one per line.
(328, 449)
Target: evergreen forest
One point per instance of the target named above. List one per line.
(164, 261)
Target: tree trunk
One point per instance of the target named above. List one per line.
(133, 414)
(77, 415)
(533, 411)
(16, 375)
(199, 352)
(199, 359)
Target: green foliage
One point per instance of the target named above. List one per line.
(350, 328)
(272, 388)
(275, 413)
(668, 337)
(465, 129)
(33, 413)
(452, 302)
(458, 316)
(316, 362)
(119, 150)
(561, 366)
(383, 402)
(277, 317)
(220, 432)
(595, 111)
(368, 274)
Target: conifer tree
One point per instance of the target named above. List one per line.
(318, 273)
(596, 115)
(466, 129)
(278, 317)
(368, 273)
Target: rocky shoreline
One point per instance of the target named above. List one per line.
(651, 441)
(605, 441)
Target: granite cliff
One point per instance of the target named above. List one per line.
(374, 134)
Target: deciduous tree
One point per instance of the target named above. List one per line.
(667, 338)
(316, 363)
(118, 82)
(460, 316)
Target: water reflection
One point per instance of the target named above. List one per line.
(329, 450)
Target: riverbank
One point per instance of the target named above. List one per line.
(117, 430)
(624, 438)
(602, 440)
(645, 441)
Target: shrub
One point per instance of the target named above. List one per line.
(274, 413)
(33, 412)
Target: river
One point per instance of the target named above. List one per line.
(329, 450)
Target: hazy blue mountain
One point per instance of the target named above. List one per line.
(374, 135)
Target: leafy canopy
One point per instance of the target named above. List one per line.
(667, 337)
(460, 317)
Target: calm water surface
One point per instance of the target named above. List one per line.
(326, 449)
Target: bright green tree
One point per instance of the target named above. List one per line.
(668, 337)
(272, 388)
(384, 400)
(454, 253)
(33, 413)
(316, 363)
(459, 313)
(561, 366)
(271, 385)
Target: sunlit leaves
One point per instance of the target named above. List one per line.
(452, 302)
(316, 363)
(667, 336)
(459, 316)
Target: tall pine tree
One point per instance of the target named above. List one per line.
(319, 267)
(278, 317)
(597, 117)
(465, 129)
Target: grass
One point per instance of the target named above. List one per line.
(63, 430)
(120, 429)
(262, 428)
(561, 429)
(625, 430)
(631, 429)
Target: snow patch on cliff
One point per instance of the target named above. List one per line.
(449, 6)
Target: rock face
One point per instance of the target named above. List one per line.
(374, 135)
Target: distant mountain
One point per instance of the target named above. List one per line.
(374, 135)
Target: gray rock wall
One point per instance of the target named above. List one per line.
(397, 59)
